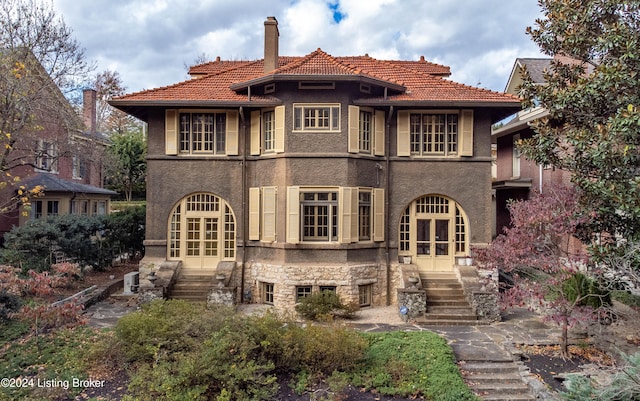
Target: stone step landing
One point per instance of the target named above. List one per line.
(193, 286)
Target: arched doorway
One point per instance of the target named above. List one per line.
(433, 231)
(202, 232)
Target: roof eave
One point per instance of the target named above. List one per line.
(438, 103)
(266, 79)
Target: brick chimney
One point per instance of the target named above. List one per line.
(271, 35)
(89, 113)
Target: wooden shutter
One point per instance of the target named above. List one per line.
(378, 214)
(269, 207)
(232, 133)
(378, 137)
(255, 132)
(403, 137)
(465, 134)
(254, 214)
(279, 129)
(171, 132)
(293, 215)
(354, 129)
(345, 233)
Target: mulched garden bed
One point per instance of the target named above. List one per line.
(547, 363)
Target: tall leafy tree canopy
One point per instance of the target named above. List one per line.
(593, 98)
(39, 62)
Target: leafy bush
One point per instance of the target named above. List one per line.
(624, 386)
(34, 245)
(9, 303)
(586, 290)
(87, 240)
(125, 231)
(324, 305)
(626, 298)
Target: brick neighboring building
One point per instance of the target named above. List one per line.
(317, 172)
(65, 158)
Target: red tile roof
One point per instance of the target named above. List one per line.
(225, 82)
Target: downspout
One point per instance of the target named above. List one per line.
(387, 186)
(245, 227)
(540, 180)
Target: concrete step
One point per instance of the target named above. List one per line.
(496, 381)
(425, 321)
(193, 285)
(448, 303)
(451, 316)
(450, 310)
(477, 367)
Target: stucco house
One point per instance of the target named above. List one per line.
(292, 175)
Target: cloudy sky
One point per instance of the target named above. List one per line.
(149, 42)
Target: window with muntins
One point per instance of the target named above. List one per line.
(364, 137)
(319, 216)
(47, 156)
(434, 134)
(364, 215)
(316, 117)
(267, 293)
(203, 133)
(269, 127)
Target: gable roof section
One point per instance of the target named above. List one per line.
(227, 84)
(534, 66)
(319, 65)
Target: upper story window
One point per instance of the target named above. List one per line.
(269, 129)
(317, 117)
(515, 167)
(434, 134)
(47, 156)
(78, 167)
(364, 137)
(366, 131)
(203, 133)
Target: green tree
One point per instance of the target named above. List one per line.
(39, 61)
(592, 96)
(127, 169)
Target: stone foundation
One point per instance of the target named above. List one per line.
(346, 279)
(222, 296)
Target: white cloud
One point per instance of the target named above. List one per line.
(150, 40)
